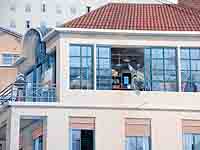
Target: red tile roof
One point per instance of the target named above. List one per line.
(157, 17)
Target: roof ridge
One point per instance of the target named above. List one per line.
(67, 22)
(11, 32)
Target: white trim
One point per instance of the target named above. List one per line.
(127, 31)
(94, 65)
(117, 31)
(179, 67)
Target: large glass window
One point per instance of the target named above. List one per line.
(138, 143)
(30, 86)
(103, 68)
(38, 143)
(81, 67)
(191, 141)
(190, 69)
(160, 69)
(82, 139)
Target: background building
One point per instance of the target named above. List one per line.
(22, 14)
(10, 49)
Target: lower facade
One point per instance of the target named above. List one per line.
(50, 127)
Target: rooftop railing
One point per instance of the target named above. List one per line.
(28, 92)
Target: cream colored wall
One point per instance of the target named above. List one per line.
(7, 76)
(166, 126)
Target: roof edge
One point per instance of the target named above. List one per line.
(13, 33)
(120, 32)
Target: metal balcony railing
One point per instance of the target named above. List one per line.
(28, 92)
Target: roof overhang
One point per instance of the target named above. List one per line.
(54, 31)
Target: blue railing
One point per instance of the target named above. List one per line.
(28, 92)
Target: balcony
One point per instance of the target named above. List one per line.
(28, 92)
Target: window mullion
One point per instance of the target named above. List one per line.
(163, 50)
(80, 67)
(94, 66)
(190, 61)
(178, 57)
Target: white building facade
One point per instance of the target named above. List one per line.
(21, 15)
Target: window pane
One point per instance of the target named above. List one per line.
(137, 143)
(195, 75)
(38, 143)
(170, 53)
(104, 52)
(147, 64)
(197, 142)
(157, 53)
(86, 62)
(75, 62)
(185, 65)
(188, 141)
(82, 76)
(170, 86)
(76, 140)
(131, 143)
(195, 64)
(170, 64)
(87, 140)
(103, 63)
(75, 78)
(162, 68)
(142, 143)
(74, 50)
(185, 54)
(185, 75)
(195, 53)
(104, 71)
(86, 51)
(190, 87)
(158, 86)
(157, 64)
(157, 75)
(7, 59)
(170, 75)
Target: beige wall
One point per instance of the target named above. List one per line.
(7, 76)
(166, 126)
(8, 44)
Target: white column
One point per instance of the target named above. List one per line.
(179, 67)
(62, 68)
(57, 131)
(95, 76)
(13, 129)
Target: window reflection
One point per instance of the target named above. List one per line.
(104, 70)
(138, 143)
(160, 69)
(190, 69)
(81, 67)
(191, 141)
